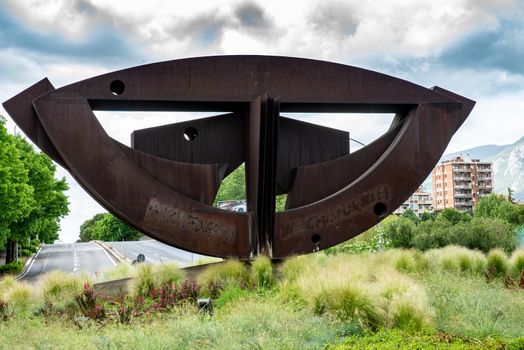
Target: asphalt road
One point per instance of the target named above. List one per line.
(88, 258)
(155, 252)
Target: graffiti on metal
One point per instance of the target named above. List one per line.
(164, 184)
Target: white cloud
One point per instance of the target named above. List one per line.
(401, 37)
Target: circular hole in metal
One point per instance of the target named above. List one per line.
(315, 238)
(380, 209)
(190, 133)
(117, 87)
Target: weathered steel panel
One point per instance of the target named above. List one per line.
(165, 186)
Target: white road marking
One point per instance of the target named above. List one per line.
(31, 264)
(109, 256)
(75, 258)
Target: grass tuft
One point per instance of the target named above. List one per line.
(457, 259)
(229, 273)
(120, 271)
(144, 280)
(168, 273)
(58, 286)
(517, 262)
(497, 264)
(262, 272)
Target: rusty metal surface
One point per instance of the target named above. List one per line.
(164, 184)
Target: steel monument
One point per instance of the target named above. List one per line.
(166, 182)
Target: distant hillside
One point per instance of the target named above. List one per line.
(508, 165)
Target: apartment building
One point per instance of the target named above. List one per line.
(460, 182)
(419, 202)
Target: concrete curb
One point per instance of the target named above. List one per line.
(28, 264)
(113, 252)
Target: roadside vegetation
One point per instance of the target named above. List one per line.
(451, 297)
(32, 201)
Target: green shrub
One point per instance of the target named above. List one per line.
(228, 295)
(293, 267)
(497, 264)
(168, 273)
(229, 273)
(432, 234)
(60, 287)
(458, 260)
(485, 234)
(351, 304)
(6, 283)
(14, 267)
(20, 296)
(409, 261)
(400, 232)
(120, 271)
(262, 272)
(517, 262)
(144, 280)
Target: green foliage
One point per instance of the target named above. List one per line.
(484, 234)
(16, 195)
(14, 267)
(149, 277)
(410, 214)
(168, 273)
(228, 273)
(454, 216)
(144, 280)
(295, 266)
(233, 187)
(229, 295)
(497, 263)
(32, 201)
(111, 229)
(86, 229)
(399, 339)
(400, 232)
(262, 272)
(59, 287)
(498, 206)
(454, 259)
(517, 262)
(468, 306)
(120, 271)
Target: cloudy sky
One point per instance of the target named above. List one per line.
(472, 47)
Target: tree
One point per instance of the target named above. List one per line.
(50, 202)
(16, 195)
(233, 187)
(86, 229)
(498, 206)
(400, 232)
(410, 214)
(110, 228)
(485, 234)
(32, 201)
(454, 216)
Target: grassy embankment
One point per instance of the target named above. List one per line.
(446, 298)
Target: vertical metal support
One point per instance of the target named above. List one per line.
(261, 164)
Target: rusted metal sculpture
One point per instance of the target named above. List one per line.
(165, 183)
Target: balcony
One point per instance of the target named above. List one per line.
(463, 195)
(462, 187)
(462, 178)
(461, 170)
(485, 187)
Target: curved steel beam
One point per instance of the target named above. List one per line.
(154, 194)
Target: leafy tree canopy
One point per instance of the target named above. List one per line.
(86, 229)
(110, 228)
(32, 201)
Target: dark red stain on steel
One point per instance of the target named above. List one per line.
(165, 183)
